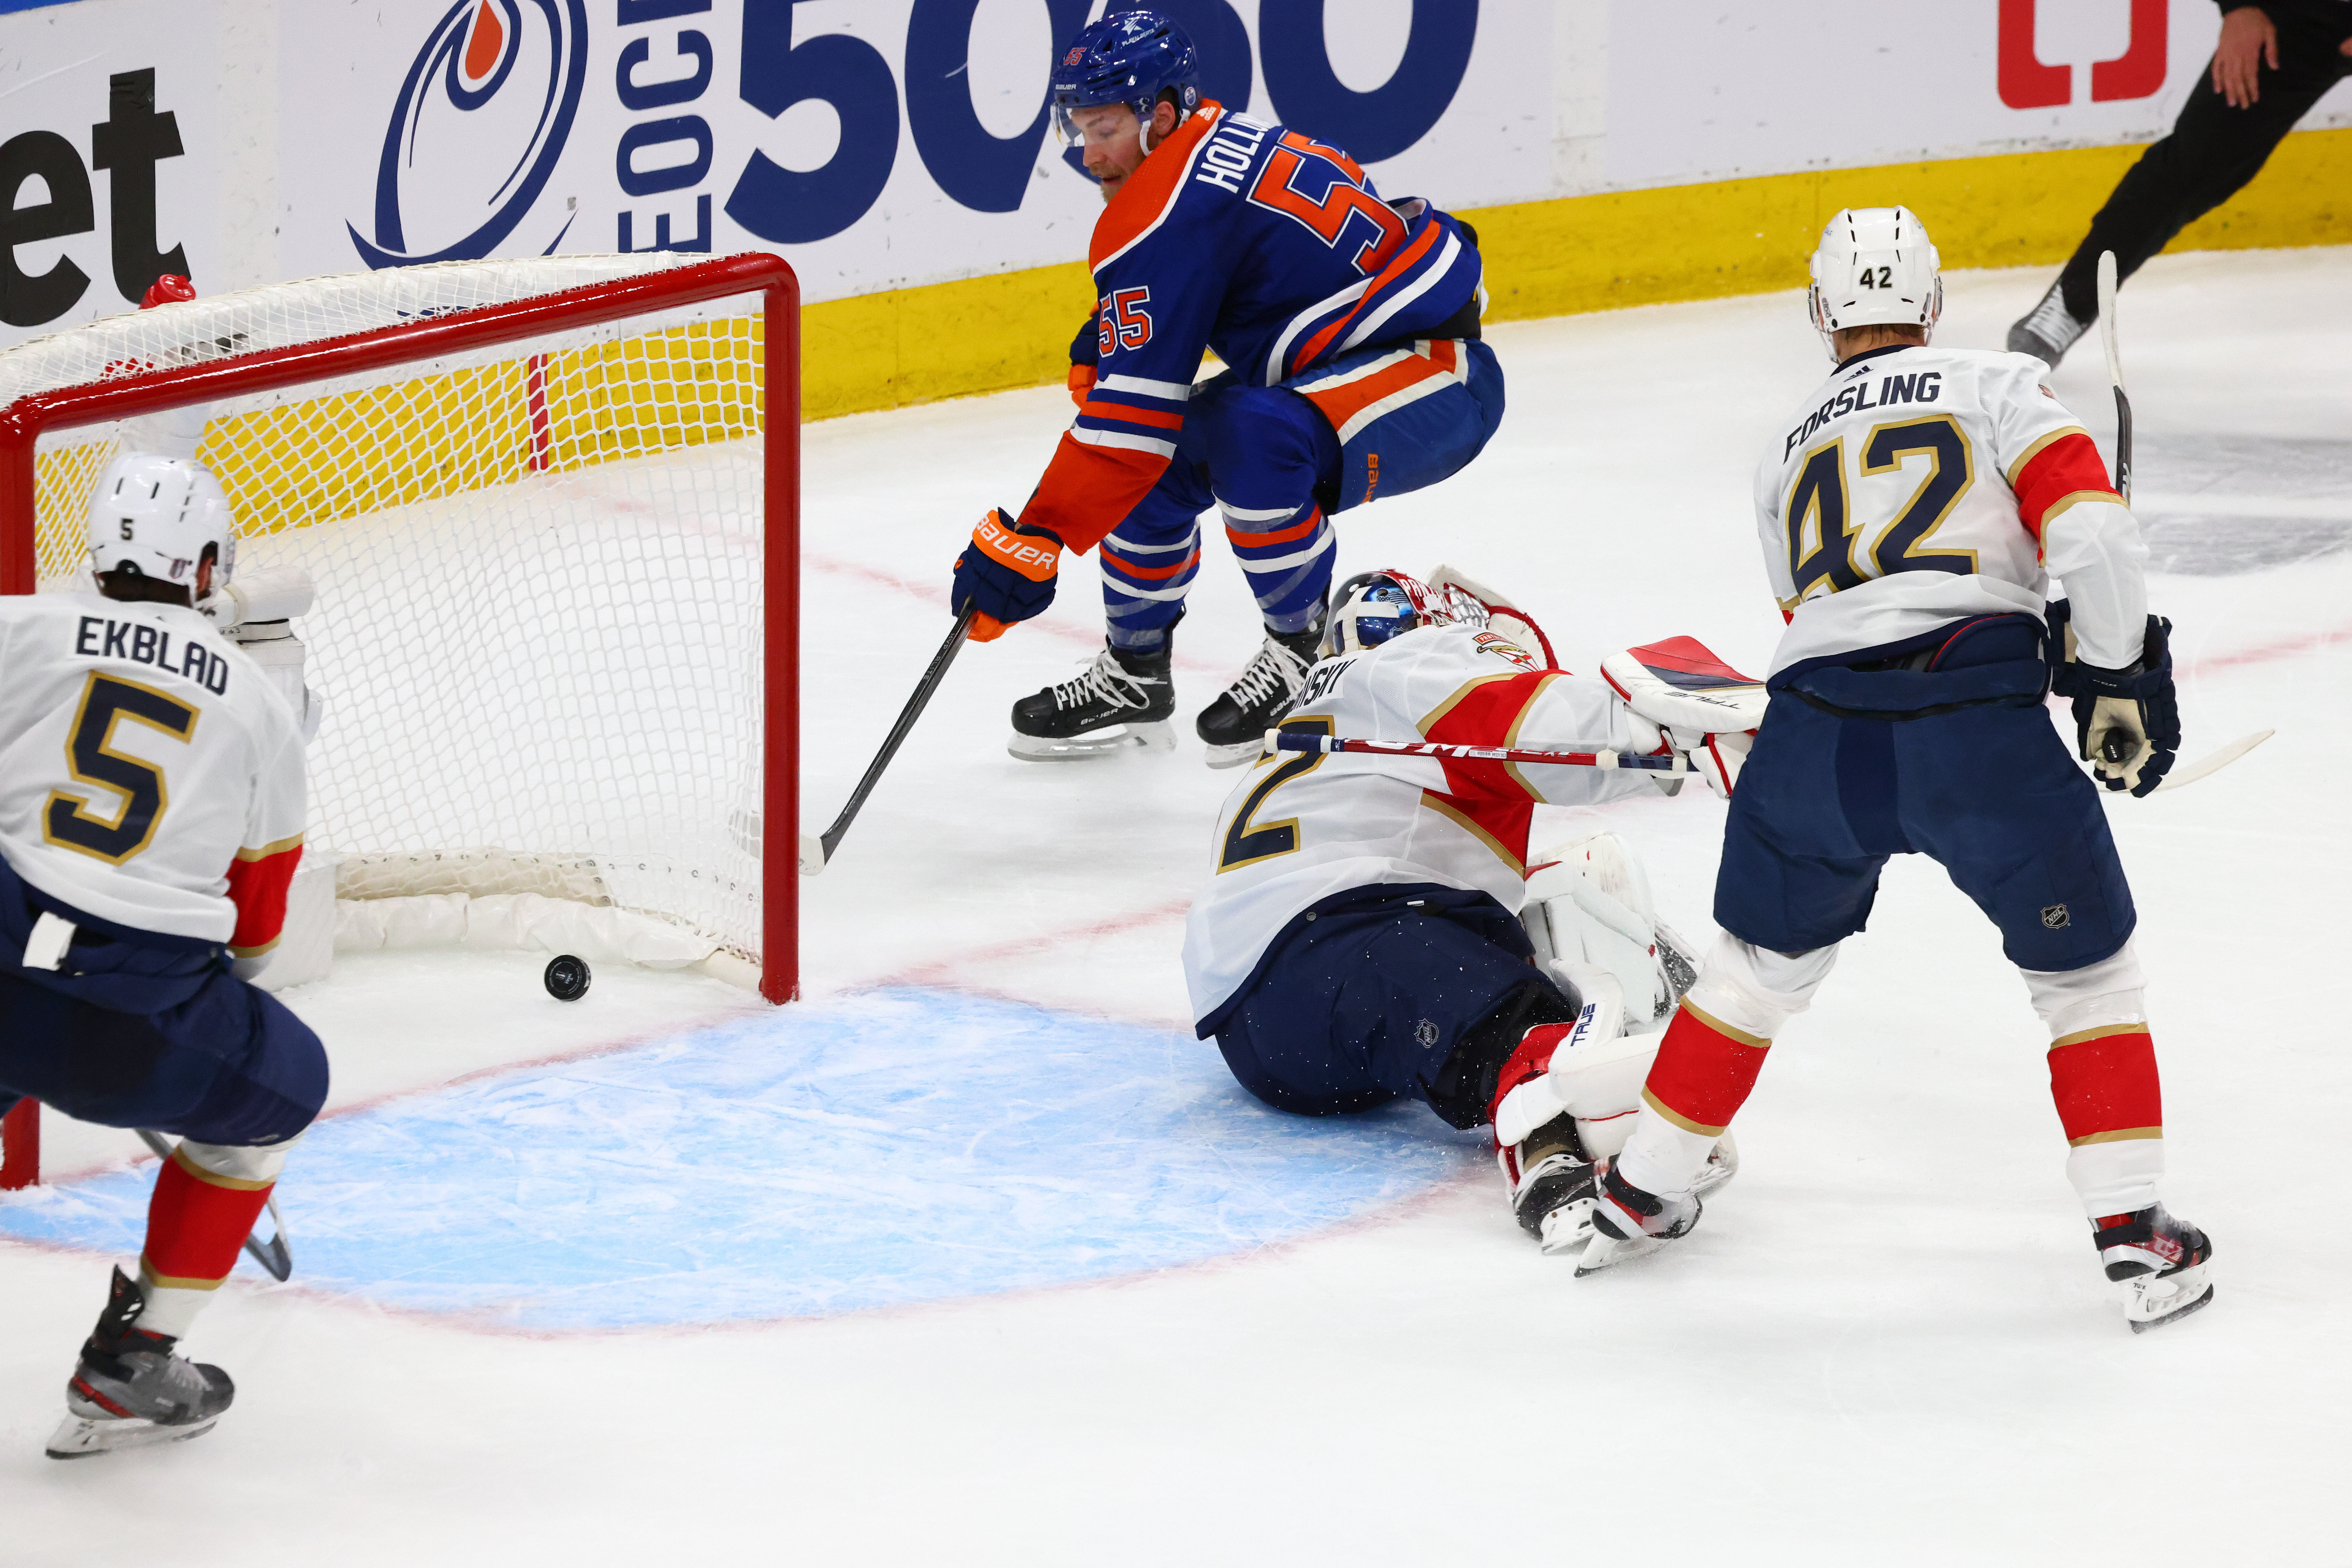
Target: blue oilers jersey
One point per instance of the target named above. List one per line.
(1256, 242)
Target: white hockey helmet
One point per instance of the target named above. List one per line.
(1875, 266)
(162, 517)
(1373, 606)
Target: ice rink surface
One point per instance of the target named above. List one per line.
(977, 1258)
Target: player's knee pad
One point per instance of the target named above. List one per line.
(1590, 917)
(2112, 991)
(258, 1163)
(1756, 989)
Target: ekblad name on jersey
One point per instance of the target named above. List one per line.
(1921, 486)
(151, 775)
(1269, 247)
(1304, 825)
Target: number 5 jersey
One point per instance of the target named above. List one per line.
(1922, 485)
(150, 774)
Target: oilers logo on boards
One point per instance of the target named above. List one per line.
(482, 117)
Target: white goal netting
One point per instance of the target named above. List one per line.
(539, 573)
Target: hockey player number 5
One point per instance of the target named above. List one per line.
(1247, 846)
(92, 759)
(1825, 537)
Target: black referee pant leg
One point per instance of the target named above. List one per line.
(2214, 151)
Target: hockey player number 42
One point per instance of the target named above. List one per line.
(92, 759)
(1247, 846)
(1825, 536)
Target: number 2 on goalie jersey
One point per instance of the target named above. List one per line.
(90, 757)
(1244, 845)
(1819, 510)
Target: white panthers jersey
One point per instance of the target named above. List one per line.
(1303, 826)
(1923, 485)
(150, 774)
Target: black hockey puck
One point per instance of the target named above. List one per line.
(567, 977)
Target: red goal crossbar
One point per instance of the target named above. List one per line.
(23, 421)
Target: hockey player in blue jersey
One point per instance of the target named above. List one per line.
(1349, 327)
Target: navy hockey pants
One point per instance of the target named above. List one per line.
(139, 1030)
(1277, 461)
(1961, 763)
(1366, 997)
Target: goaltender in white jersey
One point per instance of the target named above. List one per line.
(1375, 926)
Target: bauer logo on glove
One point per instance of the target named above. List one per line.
(1006, 576)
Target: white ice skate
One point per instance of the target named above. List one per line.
(2162, 1264)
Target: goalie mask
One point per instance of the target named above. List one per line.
(1874, 267)
(162, 517)
(1372, 607)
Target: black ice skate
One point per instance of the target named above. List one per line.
(1628, 1222)
(131, 1390)
(1122, 703)
(1234, 727)
(2047, 331)
(2160, 1262)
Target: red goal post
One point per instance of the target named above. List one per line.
(595, 389)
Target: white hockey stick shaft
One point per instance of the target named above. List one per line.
(2207, 766)
(1672, 765)
(2107, 286)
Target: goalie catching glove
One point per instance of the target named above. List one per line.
(1708, 710)
(1006, 573)
(2126, 722)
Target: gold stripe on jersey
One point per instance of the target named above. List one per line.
(2035, 450)
(1456, 815)
(1430, 720)
(1511, 736)
(267, 850)
(2070, 498)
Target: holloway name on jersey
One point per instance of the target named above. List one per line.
(151, 777)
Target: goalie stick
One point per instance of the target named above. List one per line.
(1670, 767)
(273, 1254)
(1664, 767)
(816, 849)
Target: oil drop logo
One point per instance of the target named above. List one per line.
(478, 127)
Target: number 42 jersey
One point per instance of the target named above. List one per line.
(1304, 825)
(150, 774)
(1921, 486)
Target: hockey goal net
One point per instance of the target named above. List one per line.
(550, 510)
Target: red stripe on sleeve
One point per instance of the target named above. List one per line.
(1089, 490)
(2066, 466)
(257, 886)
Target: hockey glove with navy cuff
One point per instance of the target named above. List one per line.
(2126, 722)
(1006, 573)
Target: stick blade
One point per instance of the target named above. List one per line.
(2205, 767)
(811, 854)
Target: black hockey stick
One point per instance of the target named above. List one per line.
(2112, 748)
(817, 850)
(2116, 374)
(274, 1255)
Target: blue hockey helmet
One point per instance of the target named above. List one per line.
(1130, 57)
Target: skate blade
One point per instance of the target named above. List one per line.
(2185, 1292)
(1607, 1252)
(78, 1438)
(1722, 1164)
(1567, 1227)
(1236, 755)
(1126, 738)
